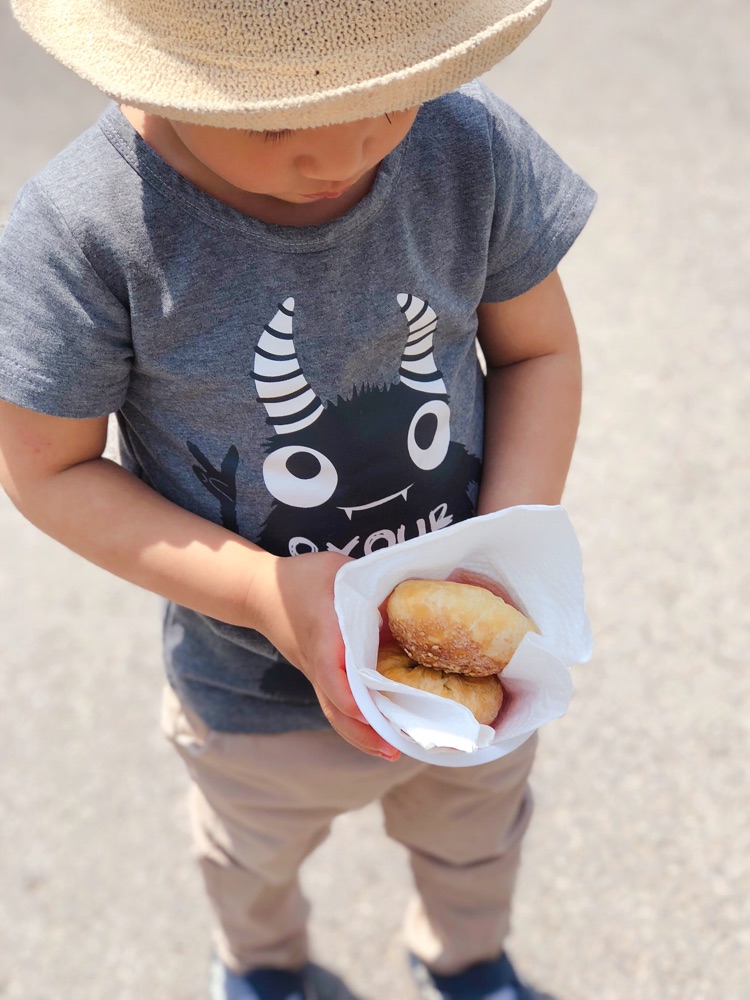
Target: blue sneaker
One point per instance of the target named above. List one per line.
(259, 984)
(494, 980)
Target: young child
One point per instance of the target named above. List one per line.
(272, 258)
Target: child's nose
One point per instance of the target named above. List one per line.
(336, 165)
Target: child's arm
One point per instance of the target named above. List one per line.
(532, 396)
(53, 470)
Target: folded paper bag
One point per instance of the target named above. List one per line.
(530, 551)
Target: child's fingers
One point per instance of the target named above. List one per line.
(359, 734)
(333, 682)
(340, 695)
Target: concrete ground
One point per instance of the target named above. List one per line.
(636, 877)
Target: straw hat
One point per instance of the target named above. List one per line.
(276, 64)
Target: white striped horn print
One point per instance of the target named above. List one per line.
(418, 368)
(289, 401)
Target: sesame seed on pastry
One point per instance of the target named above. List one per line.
(455, 627)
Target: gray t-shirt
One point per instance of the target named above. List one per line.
(311, 388)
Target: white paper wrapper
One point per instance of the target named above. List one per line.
(530, 551)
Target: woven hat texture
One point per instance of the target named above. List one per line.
(276, 64)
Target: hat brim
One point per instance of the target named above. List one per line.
(132, 70)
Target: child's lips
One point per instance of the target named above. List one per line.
(327, 194)
(323, 194)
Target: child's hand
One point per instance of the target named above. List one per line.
(301, 622)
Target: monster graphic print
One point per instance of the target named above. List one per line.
(361, 473)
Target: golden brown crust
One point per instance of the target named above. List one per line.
(455, 627)
(391, 655)
(483, 696)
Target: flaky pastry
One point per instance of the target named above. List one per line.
(483, 696)
(455, 627)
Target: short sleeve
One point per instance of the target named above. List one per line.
(541, 206)
(65, 345)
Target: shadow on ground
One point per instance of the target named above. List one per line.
(329, 986)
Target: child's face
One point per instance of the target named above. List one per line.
(300, 166)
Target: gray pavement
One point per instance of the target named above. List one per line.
(636, 877)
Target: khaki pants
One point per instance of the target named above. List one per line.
(260, 804)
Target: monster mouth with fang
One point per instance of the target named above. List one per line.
(377, 503)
